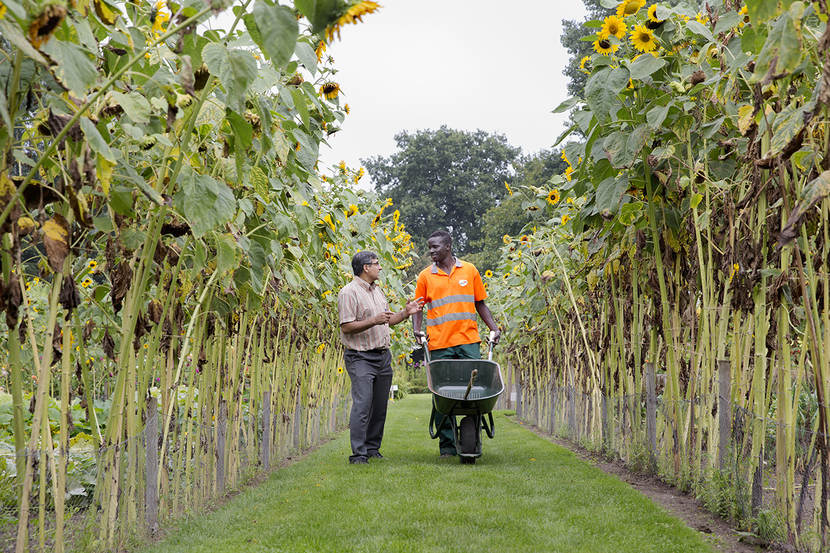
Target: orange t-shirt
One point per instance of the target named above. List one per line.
(450, 299)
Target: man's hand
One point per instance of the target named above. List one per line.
(496, 335)
(419, 336)
(381, 318)
(414, 306)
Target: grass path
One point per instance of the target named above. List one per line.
(523, 495)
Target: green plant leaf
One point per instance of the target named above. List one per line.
(782, 50)
(236, 70)
(135, 105)
(307, 56)
(319, 12)
(700, 29)
(205, 202)
(609, 192)
(602, 89)
(73, 67)
(645, 65)
(278, 31)
(96, 141)
(243, 133)
(11, 32)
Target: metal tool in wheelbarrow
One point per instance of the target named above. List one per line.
(467, 388)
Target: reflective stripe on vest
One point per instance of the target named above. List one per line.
(451, 317)
(458, 298)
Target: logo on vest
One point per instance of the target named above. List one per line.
(462, 282)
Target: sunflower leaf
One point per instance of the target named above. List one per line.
(602, 89)
(278, 30)
(645, 65)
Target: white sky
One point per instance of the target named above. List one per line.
(467, 64)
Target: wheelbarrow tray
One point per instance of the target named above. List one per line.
(448, 379)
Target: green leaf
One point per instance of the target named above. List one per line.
(645, 65)
(205, 202)
(631, 212)
(96, 141)
(621, 148)
(782, 50)
(609, 192)
(135, 105)
(11, 32)
(602, 89)
(243, 132)
(307, 56)
(700, 29)
(657, 115)
(278, 31)
(226, 251)
(73, 68)
(566, 105)
(308, 152)
(785, 126)
(236, 70)
(300, 104)
(761, 10)
(319, 12)
(694, 201)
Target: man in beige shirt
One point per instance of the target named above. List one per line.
(364, 331)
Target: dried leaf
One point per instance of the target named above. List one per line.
(108, 345)
(56, 241)
(121, 278)
(69, 297)
(813, 193)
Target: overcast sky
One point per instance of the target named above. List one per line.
(467, 64)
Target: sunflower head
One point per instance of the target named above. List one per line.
(553, 196)
(86, 283)
(605, 46)
(612, 26)
(488, 274)
(565, 219)
(643, 39)
(330, 90)
(506, 239)
(353, 15)
(44, 25)
(652, 14)
(320, 50)
(629, 7)
(582, 64)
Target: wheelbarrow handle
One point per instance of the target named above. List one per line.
(491, 342)
(424, 344)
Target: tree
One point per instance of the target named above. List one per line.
(445, 178)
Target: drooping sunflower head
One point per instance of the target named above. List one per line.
(612, 26)
(41, 29)
(582, 64)
(525, 239)
(629, 7)
(643, 39)
(353, 15)
(330, 90)
(568, 172)
(553, 196)
(320, 50)
(347, 109)
(604, 46)
(159, 15)
(565, 218)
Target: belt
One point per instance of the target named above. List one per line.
(376, 350)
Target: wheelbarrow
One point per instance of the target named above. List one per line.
(467, 388)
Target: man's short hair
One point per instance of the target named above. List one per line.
(443, 235)
(362, 258)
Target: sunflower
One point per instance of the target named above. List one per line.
(582, 63)
(328, 220)
(352, 16)
(352, 210)
(347, 109)
(86, 283)
(360, 173)
(506, 239)
(553, 196)
(320, 49)
(159, 16)
(2, 10)
(565, 219)
(605, 46)
(525, 239)
(92, 264)
(612, 26)
(488, 274)
(326, 293)
(339, 370)
(629, 7)
(643, 39)
(652, 14)
(568, 172)
(564, 157)
(330, 90)
(44, 25)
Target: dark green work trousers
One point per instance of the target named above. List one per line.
(446, 439)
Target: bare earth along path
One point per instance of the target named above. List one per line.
(525, 494)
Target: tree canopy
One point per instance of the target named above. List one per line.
(445, 178)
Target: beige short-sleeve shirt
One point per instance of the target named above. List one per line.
(358, 301)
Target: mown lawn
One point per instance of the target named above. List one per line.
(523, 495)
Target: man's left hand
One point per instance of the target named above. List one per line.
(496, 335)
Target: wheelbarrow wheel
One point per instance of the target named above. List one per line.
(468, 434)
(468, 460)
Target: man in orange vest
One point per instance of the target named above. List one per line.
(453, 294)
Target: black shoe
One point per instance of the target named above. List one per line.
(375, 455)
(358, 461)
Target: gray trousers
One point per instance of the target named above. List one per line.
(371, 376)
